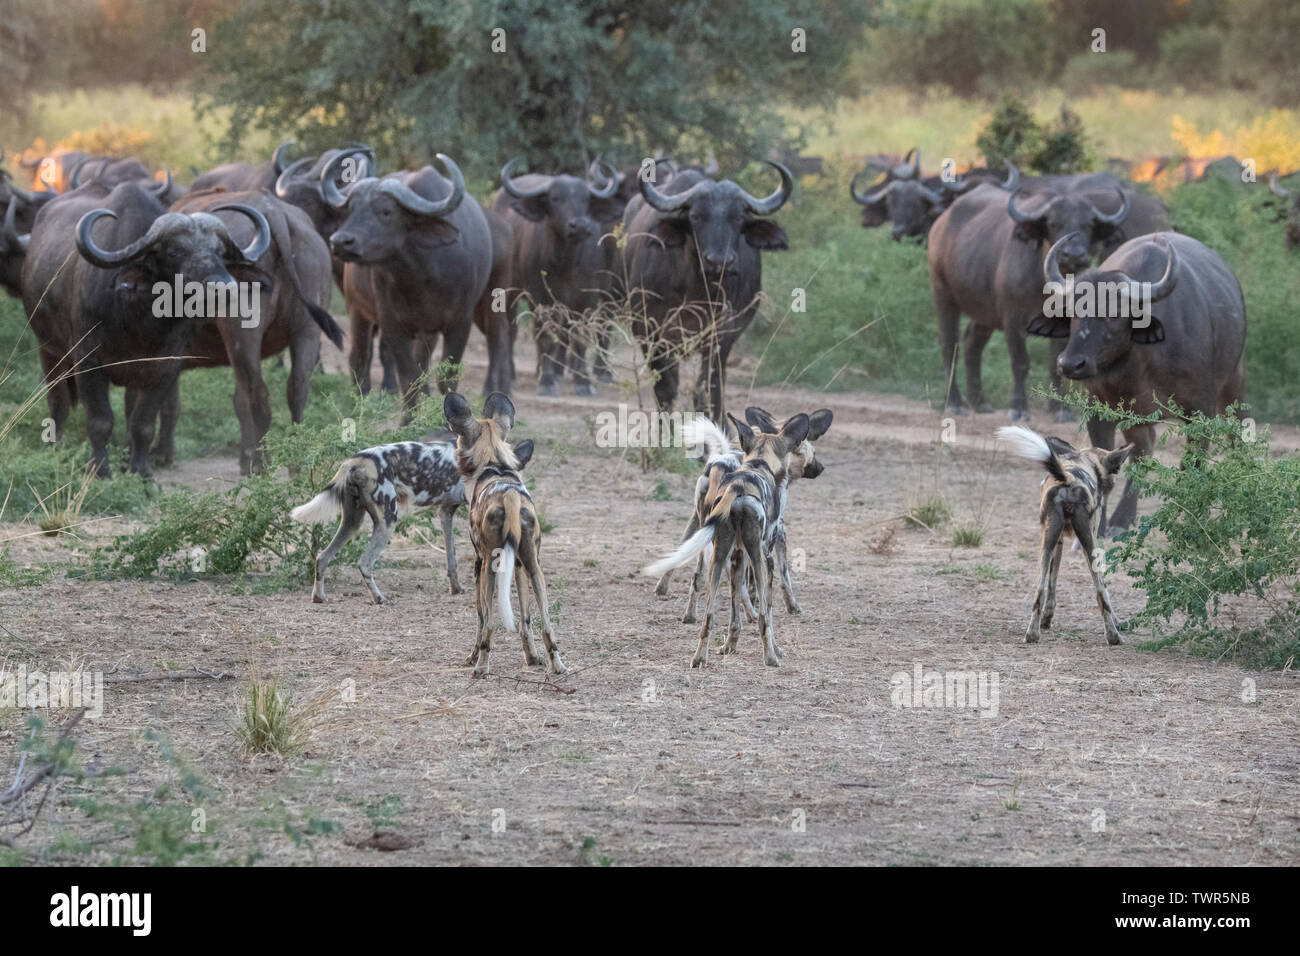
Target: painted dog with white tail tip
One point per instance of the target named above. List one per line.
(1072, 503)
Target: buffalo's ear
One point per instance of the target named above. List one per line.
(760, 419)
(793, 433)
(433, 231)
(1151, 333)
(460, 418)
(1115, 459)
(743, 432)
(1049, 327)
(534, 208)
(819, 423)
(607, 210)
(765, 234)
(524, 452)
(671, 230)
(501, 410)
(1031, 230)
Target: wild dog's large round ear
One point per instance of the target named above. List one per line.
(1115, 460)
(460, 418)
(501, 410)
(524, 452)
(819, 422)
(743, 432)
(761, 420)
(794, 431)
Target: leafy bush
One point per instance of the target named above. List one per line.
(1063, 147)
(1013, 133)
(1192, 57)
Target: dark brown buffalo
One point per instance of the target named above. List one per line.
(109, 171)
(241, 177)
(94, 261)
(910, 202)
(1293, 218)
(418, 251)
(692, 262)
(986, 255)
(558, 260)
(1188, 348)
(18, 209)
(492, 313)
(293, 311)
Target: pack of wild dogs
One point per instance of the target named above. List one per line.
(129, 279)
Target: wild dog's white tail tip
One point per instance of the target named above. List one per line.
(505, 578)
(702, 431)
(321, 508)
(684, 553)
(1025, 443)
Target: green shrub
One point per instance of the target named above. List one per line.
(1191, 57)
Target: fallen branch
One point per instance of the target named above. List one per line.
(167, 675)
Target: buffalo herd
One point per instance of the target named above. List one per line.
(128, 278)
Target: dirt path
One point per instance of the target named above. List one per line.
(1092, 754)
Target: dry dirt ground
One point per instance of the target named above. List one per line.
(1095, 755)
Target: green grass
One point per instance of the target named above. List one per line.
(967, 536)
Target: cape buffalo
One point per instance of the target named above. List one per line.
(492, 313)
(912, 203)
(1293, 219)
(108, 171)
(18, 209)
(292, 311)
(97, 315)
(418, 253)
(986, 254)
(558, 260)
(693, 266)
(240, 177)
(1188, 349)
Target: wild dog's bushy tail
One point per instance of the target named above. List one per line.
(511, 533)
(684, 553)
(702, 431)
(1031, 445)
(329, 503)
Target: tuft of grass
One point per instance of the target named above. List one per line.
(269, 723)
(967, 536)
(929, 512)
(661, 491)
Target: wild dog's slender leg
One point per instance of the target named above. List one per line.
(1049, 606)
(723, 539)
(528, 554)
(1083, 531)
(531, 657)
(1051, 543)
(746, 592)
(783, 563)
(697, 585)
(450, 543)
(771, 576)
(693, 526)
(478, 577)
(1101, 435)
(379, 536)
(739, 583)
(751, 533)
(350, 525)
(485, 587)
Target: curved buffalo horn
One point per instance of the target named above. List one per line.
(162, 186)
(329, 190)
(75, 179)
(1012, 182)
(959, 185)
(372, 164)
(514, 190)
(279, 157)
(20, 193)
(1276, 189)
(11, 231)
(105, 259)
(1114, 218)
(412, 201)
(910, 167)
(770, 204)
(872, 195)
(1052, 264)
(257, 248)
(664, 202)
(1016, 214)
(611, 180)
(1167, 282)
(296, 168)
(932, 196)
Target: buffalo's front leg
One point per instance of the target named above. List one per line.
(92, 386)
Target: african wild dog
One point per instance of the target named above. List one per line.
(741, 517)
(503, 524)
(386, 482)
(723, 458)
(1074, 498)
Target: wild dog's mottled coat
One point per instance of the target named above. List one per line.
(387, 482)
(723, 459)
(742, 516)
(504, 527)
(1072, 503)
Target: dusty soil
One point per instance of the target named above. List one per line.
(1095, 754)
